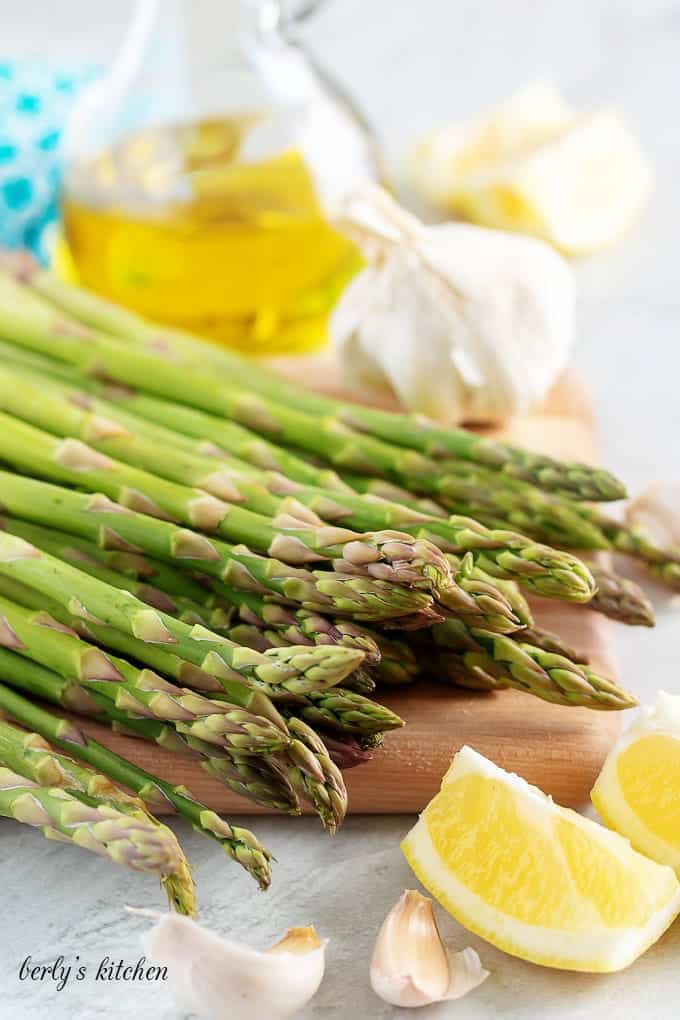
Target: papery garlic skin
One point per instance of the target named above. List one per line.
(457, 322)
(410, 965)
(657, 512)
(217, 979)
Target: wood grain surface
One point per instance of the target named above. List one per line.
(559, 749)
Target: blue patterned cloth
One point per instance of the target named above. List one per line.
(34, 103)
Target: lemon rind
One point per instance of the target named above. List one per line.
(661, 719)
(603, 951)
(597, 950)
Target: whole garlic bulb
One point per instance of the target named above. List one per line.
(460, 323)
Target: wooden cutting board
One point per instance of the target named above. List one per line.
(559, 749)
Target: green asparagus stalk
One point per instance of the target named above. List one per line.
(211, 611)
(31, 678)
(379, 487)
(512, 592)
(579, 480)
(346, 712)
(238, 843)
(528, 668)
(30, 756)
(113, 527)
(261, 639)
(502, 503)
(548, 641)
(313, 775)
(615, 597)
(260, 781)
(387, 555)
(132, 841)
(505, 554)
(82, 554)
(202, 433)
(663, 564)
(108, 436)
(398, 664)
(271, 788)
(293, 670)
(350, 509)
(299, 626)
(620, 598)
(32, 323)
(140, 691)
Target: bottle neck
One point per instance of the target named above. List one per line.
(208, 32)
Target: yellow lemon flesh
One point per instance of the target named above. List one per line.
(537, 166)
(638, 790)
(535, 879)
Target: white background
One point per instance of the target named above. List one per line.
(413, 66)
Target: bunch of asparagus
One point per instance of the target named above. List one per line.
(201, 555)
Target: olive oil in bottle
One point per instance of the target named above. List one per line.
(202, 171)
(171, 222)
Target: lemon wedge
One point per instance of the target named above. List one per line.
(535, 879)
(638, 790)
(538, 167)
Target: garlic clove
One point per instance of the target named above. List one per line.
(217, 979)
(297, 940)
(657, 512)
(410, 965)
(466, 972)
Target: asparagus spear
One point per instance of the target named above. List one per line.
(300, 627)
(387, 555)
(620, 598)
(36, 680)
(575, 479)
(140, 691)
(350, 509)
(28, 755)
(108, 436)
(265, 625)
(116, 528)
(83, 555)
(238, 843)
(209, 611)
(294, 670)
(81, 821)
(548, 641)
(284, 626)
(187, 428)
(32, 323)
(547, 675)
(512, 592)
(346, 712)
(270, 787)
(664, 564)
(398, 664)
(313, 775)
(505, 554)
(615, 596)
(261, 781)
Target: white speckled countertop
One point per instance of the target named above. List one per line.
(412, 66)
